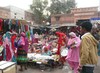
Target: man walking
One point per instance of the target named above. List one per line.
(88, 49)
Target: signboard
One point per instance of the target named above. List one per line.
(95, 20)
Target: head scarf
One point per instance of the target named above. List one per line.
(72, 34)
(23, 34)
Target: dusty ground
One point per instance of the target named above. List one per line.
(65, 69)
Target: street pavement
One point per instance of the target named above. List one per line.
(97, 68)
(65, 69)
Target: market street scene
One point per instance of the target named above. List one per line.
(49, 36)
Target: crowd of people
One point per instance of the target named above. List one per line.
(82, 54)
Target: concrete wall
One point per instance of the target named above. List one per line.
(4, 13)
(16, 13)
(75, 15)
(29, 16)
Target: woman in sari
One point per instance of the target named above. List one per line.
(22, 52)
(73, 52)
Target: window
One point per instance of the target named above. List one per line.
(15, 13)
(57, 18)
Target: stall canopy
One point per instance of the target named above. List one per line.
(61, 25)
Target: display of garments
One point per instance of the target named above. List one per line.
(1, 53)
(31, 32)
(13, 37)
(13, 27)
(7, 35)
(28, 34)
(26, 28)
(6, 25)
(48, 53)
(1, 49)
(10, 23)
(1, 24)
(8, 50)
(8, 53)
(9, 46)
(22, 27)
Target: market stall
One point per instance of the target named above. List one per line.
(41, 60)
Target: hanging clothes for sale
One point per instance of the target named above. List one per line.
(13, 37)
(13, 26)
(10, 24)
(7, 34)
(28, 34)
(22, 27)
(8, 50)
(1, 48)
(14, 55)
(17, 26)
(1, 24)
(31, 33)
(26, 27)
(6, 25)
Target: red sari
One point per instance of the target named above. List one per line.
(61, 42)
(1, 51)
(13, 37)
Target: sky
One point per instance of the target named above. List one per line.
(24, 4)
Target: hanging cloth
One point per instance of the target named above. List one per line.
(8, 50)
(6, 25)
(1, 49)
(31, 31)
(13, 37)
(10, 24)
(26, 28)
(8, 53)
(28, 34)
(1, 24)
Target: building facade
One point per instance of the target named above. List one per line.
(62, 19)
(29, 16)
(4, 13)
(75, 15)
(16, 13)
(84, 13)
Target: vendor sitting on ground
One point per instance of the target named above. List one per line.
(46, 52)
(31, 49)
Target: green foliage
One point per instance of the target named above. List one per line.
(61, 6)
(38, 7)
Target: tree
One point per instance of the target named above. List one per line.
(61, 6)
(38, 7)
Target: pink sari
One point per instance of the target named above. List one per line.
(8, 49)
(73, 53)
